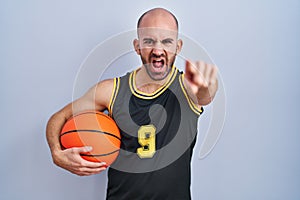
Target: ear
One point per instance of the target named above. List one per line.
(137, 46)
(179, 46)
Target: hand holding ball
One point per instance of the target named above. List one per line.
(95, 129)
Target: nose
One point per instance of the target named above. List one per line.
(158, 50)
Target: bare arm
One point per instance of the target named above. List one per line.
(97, 98)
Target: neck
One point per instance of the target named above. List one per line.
(145, 83)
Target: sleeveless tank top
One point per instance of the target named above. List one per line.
(158, 134)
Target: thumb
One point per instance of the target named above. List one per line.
(190, 70)
(190, 65)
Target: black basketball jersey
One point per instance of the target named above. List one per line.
(158, 133)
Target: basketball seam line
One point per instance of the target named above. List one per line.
(87, 130)
(98, 155)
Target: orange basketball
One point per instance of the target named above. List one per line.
(95, 129)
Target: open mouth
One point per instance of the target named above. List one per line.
(158, 68)
(158, 64)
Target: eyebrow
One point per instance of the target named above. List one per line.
(148, 39)
(167, 39)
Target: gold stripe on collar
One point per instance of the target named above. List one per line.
(156, 93)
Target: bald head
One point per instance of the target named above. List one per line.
(157, 42)
(155, 16)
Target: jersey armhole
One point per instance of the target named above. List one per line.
(192, 105)
(113, 95)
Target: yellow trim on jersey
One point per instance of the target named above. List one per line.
(192, 105)
(114, 95)
(159, 91)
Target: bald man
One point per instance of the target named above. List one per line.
(156, 108)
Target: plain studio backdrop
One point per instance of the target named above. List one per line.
(255, 44)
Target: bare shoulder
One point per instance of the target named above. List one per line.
(106, 85)
(97, 97)
(102, 91)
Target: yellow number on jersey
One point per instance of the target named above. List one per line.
(146, 138)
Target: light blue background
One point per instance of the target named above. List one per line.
(255, 44)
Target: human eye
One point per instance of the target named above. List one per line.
(167, 41)
(148, 41)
